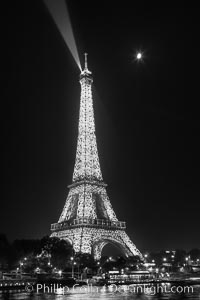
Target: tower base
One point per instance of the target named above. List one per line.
(91, 240)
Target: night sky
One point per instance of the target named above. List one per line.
(147, 131)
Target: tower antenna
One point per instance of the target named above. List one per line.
(86, 66)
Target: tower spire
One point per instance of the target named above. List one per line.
(85, 71)
(86, 66)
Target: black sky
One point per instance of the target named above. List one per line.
(147, 133)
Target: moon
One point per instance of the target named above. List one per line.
(139, 55)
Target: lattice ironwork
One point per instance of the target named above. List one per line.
(92, 240)
(88, 220)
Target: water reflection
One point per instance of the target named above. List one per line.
(102, 294)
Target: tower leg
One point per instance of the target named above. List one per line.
(92, 241)
(97, 249)
(129, 244)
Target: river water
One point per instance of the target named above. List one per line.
(114, 293)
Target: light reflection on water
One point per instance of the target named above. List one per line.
(99, 294)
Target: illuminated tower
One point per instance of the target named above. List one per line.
(88, 220)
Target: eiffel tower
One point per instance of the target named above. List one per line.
(88, 220)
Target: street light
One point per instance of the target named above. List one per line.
(164, 259)
(21, 266)
(187, 259)
(146, 256)
(72, 260)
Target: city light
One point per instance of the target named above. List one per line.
(37, 270)
(164, 259)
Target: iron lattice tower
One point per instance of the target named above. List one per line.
(88, 220)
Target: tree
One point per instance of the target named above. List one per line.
(194, 254)
(23, 248)
(180, 256)
(30, 264)
(133, 262)
(120, 262)
(85, 260)
(4, 251)
(59, 250)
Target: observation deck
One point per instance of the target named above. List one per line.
(86, 222)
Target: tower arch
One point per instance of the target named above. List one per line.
(99, 245)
